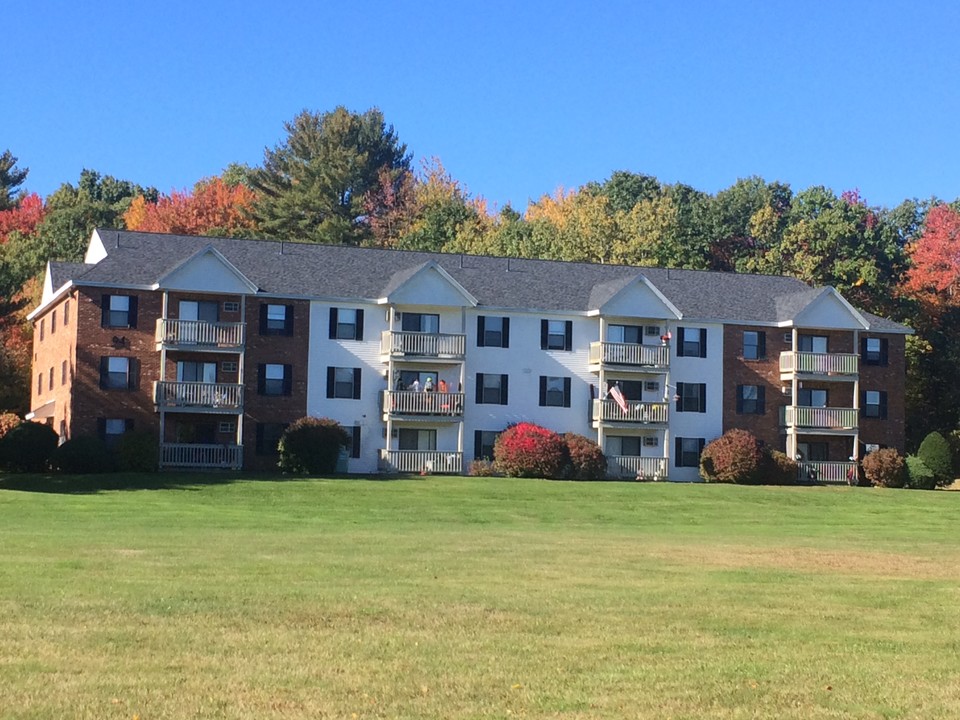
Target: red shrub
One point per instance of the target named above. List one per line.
(8, 421)
(885, 468)
(587, 461)
(528, 450)
(737, 456)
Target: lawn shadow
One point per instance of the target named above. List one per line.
(95, 483)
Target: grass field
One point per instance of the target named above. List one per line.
(476, 598)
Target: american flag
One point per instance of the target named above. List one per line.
(617, 395)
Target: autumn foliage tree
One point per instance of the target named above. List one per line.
(212, 208)
(934, 274)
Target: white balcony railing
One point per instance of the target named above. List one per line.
(819, 363)
(636, 412)
(819, 418)
(610, 353)
(198, 332)
(195, 455)
(226, 396)
(639, 468)
(826, 472)
(422, 344)
(407, 402)
(421, 461)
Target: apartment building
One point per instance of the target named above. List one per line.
(214, 345)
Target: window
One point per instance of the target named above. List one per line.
(631, 389)
(811, 397)
(346, 324)
(274, 379)
(50, 379)
(493, 331)
(118, 311)
(813, 451)
(651, 385)
(66, 313)
(751, 399)
(276, 319)
(53, 322)
(491, 389)
(554, 391)
(691, 342)
(343, 383)
(118, 373)
(626, 334)
(874, 404)
(652, 331)
(624, 445)
(687, 452)
(227, 427)
(813, 343)
(230, 306)
(229, 366)
(353, 446)
(873, 351)
(40, 384)
(691, 397)
(651, 441)
(198, 311)
(556, 334)
(754, 345)
(63, 373)
(194, 371)
(112, 429)
(483, 442)
(268, 437)
(43, 327)
(423, 440)
(420, 322)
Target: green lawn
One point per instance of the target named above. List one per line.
(476, 598)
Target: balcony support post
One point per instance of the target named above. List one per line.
(856, 400)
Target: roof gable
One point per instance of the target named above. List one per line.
(207, 269)
(632, 297)
(426, 284)
(829, 310)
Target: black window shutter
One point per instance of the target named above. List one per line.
(479, 388)
(680, 397)
(863, 401)
(703, 342)
(333, 323)
(566, 392)
(128, 425)
(288, 379)
(543, 391)
(132, 314)
(261, 382)
(700, 445)
(883, 405)
(263, 318)
(103, 371)
(503, 390)
(761, 344)
(359, 324)
(884, 351)
(506, 332)
(477, 444)
(863, 349)
(762, 400)
(288, 320)
(739, 399)
(703, 397)
(568, 335)
(356, 383)
(102, 428)
(480, 329)
(104, 310)
(133, 373)
(331, 380)
(355, 445)
(543, 335)
(677, 452)
(680, 332)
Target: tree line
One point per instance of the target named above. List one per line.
(346, 178)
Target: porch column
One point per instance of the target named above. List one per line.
(856, 398)
(241, 361)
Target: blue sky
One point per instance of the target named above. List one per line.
(515, 98)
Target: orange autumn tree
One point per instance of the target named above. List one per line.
(934, 275)
(214, 207)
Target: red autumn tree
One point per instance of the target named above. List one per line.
(212, 208)
(23, 217)
(934, 275)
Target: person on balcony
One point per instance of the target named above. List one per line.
(415, 385)
(428, 385)
(442, 386)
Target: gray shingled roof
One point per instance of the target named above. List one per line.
(333, 271)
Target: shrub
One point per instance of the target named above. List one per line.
(884, 468)
(587, 461)
(482, 468)
(82, 454)
(779, 469)
(8, 421)
(528, 450)
(28, 447)
(312, 445)
(136, 452)
(737, 456)
(919, 476)
(936, 455)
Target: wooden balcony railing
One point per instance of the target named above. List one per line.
(636, 412)
(195, 455)
(819, 418)
(630, 354)
(421, 461)
(197, 332)
(825, 472)
(436, 345)
(819, 363)
(223, 396)
(639, 468)
(407, 402)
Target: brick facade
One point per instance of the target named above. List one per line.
(54, 350)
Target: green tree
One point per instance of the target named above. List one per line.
(312, 187)
(11, 178)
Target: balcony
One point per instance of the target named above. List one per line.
(421, 461)
(415, 345)
(819, 419)
(823, 366)
(636, 412)
(637, 468)
(198, 397)
(826, 472)
(630, 356)
(435, 405)
(199, 456)
(199, 335)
